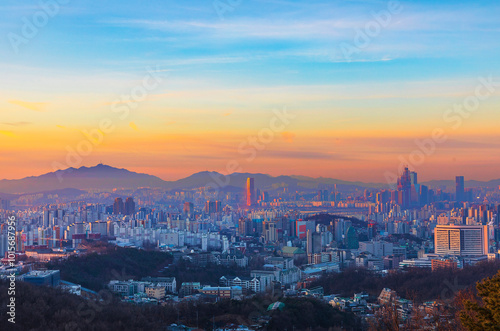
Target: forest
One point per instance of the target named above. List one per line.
(45, 308)
(419, 284)
(103, 263)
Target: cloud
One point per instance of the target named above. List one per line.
(36, 106)
(134, 126)
(17, 123)
(8, 133)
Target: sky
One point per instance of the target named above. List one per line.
(351, 90)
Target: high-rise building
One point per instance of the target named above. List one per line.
(404, 188)
(323, 195)
(4, 204)
(341, 227)
(313, 242)
(424, 195)
(250, 192)
(245, 226)
(188, 209)
(372, 231)
(118, 207)
(129, 206)
(46, 220)
(413, 178)
(461, 240)
(460, 188)
(210, 207)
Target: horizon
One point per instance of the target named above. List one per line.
(249, 173)
(164, 159)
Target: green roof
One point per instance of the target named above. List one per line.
(292, 250)
(276, 305)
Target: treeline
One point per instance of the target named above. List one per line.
(94, 270)
(419, 284)
(311, 314)
(325, 219)
(43, 308)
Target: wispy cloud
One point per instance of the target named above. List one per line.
(134, 126)
(35, 106)
(8, 133)
(17, 123)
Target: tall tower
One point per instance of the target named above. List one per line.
(188, 209)
(460, 188)
(250, 192)
(118, 206)
(129, 206)
(404, 188)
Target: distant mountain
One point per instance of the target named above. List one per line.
(468, 183)
(101, 177)
(262, 181)
(104, 177)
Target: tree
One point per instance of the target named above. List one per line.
(486, 314)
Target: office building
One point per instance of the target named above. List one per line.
(460, 189)
(404, 188)
(45, 277)
(129, 206)
(118, 207)
(210, 207)
(461, 240)
(250, 192)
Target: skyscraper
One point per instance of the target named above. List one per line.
(404, 188)
(118, 206)
(313, 242)
(188, 209)
(129, 206)
(46, 216)
(460, 188)
(250, 192)
(210, 207)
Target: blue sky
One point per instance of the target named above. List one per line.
(264, 38)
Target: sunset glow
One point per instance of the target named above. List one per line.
(213, 82)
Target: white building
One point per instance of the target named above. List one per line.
(461, 240)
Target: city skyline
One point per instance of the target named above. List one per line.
(249, 165)
(452, 179)
(216, 78)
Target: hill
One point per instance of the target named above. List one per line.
(100, 177)
(107, 178)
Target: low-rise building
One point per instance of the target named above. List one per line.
(43, 277)
(121, 287)
(229, 292)
(189, 288)
(169, 283)
(155, 291)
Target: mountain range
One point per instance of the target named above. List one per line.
(104, 177)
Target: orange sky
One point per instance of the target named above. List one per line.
(205, 87)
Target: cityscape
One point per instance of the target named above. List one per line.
(249, 165)
(252, 240)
